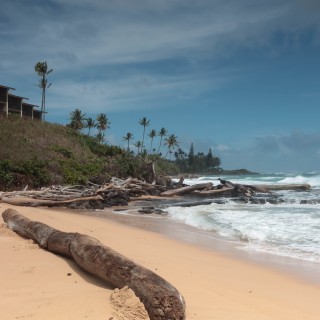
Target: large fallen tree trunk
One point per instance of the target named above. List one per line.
(161, 300)
(183, 190)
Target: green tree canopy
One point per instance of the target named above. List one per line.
(89, 124)
(144, 122)
(152, 134)
(171, 143)
(77, 120)
(162, 133)
(103, 124)
(128, 137)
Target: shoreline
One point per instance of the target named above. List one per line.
(306, 271)
(36, 285)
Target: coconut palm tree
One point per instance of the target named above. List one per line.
(144, 122)
(77, 120)
(162, 133)
(100, 137)
(128, 137)
(102, 124)
(90, 123)
(152, 134)
(41, 68)
(171, 142)
(138, 145)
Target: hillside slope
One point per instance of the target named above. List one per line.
(39, 153)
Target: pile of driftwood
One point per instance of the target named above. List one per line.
(119, 192)
(228, 189)
(116, 193)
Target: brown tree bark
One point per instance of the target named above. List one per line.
(162, 300)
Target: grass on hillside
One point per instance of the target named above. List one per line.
(36, 154)
(51, 152)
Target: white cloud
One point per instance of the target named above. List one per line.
(222, 147)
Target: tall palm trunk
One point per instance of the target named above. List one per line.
(160, 144)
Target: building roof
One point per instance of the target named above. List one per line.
(39, 111)
(1, 86)
(30, 104)
(15, 96)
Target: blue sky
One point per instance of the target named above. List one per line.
(239, 76)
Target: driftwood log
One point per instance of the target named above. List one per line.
(187, 189)
(213, 192)
(46, 203)
(161, 300)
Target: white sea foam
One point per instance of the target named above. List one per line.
(288, 229)
(313, 181)
(312, 178)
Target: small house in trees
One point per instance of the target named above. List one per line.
(13, 104)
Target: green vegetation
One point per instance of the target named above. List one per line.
(145, 123)
(128, 137)
(37, 153)
(197, 163)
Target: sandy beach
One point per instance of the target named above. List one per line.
(36, 284)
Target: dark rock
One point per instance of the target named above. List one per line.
(219, 201)
(159, 211)
(314, 201)
(73, 206)
(146, 211)
(117, 202)
(258, 201)
(275, 201)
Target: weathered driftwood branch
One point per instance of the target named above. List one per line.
(162, 301)
(46, 203)
(183, 190)
(214, 192)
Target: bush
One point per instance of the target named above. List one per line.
(30, 172)
(75, 172)
(101, 150)
(164, 166)
(6, 175)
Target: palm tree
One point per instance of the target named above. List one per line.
(162, 133)
(41, 68)
(171, 142)
(144, 122)
(102, 124)
(128, 137)
(90, 123)
(138, 145)
(152, 134)
(77, 120)
(100, 137)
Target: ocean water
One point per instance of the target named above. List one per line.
(289, 228)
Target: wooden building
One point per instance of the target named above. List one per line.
(13, 104)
